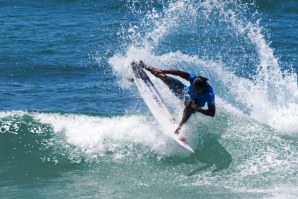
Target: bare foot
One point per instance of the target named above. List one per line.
(141, 63)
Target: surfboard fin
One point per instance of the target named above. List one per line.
(130, 79)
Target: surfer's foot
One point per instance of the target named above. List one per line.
(177, 131)
(142, 64)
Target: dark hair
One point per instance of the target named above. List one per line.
(200, 81)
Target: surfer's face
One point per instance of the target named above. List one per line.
(199, 89)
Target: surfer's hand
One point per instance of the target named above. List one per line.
(194, 107)
(177, 131)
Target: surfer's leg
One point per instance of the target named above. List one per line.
(177, 87)
(155, 71)
(174, 85)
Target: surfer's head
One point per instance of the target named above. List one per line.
(200, 84)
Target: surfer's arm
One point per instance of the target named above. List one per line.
(209, 112)
(182, 74)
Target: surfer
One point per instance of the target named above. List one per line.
(195, 96)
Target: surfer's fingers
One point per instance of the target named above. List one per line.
(177, 131)
(191, 106)
(194, 106)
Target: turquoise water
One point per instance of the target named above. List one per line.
(71, 125)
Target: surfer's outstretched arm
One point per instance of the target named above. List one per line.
(187, 112)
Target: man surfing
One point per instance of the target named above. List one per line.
(195, 96)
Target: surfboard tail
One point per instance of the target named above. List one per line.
(183, 142)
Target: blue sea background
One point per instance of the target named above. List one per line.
(71, 125)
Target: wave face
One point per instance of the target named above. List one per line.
(233, 154)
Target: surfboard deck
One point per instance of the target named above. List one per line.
(156, 105)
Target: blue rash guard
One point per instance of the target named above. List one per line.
(201, 98)
(187, 93)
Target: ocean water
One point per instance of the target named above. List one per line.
(72, 126)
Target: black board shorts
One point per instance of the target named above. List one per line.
(178, 88)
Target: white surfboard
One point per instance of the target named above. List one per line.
(156, 105)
